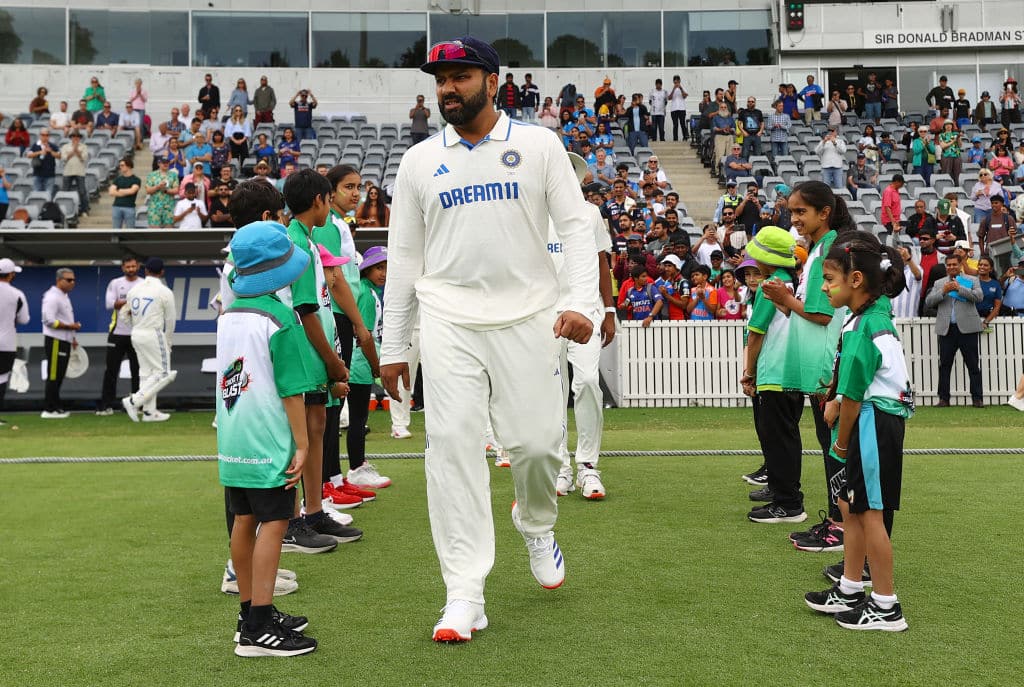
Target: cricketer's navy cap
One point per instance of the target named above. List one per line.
(463, 50)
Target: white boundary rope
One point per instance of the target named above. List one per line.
(691, 453)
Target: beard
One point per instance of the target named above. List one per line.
(471, 107)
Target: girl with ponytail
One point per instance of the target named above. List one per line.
(870, 396)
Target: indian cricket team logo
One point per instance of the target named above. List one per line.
(234, 381)
(511, 158)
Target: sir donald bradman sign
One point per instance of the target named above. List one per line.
(999, 37)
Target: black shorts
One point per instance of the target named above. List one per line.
(316, 398)
(6, 362)
(266, 505)
(874, 462)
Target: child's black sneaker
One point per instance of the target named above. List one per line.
(774, 513)
(757, 478)
(835, 571)
(273, 640)
(762, 494)
(295, 623)
(870, 616)
(833, 600)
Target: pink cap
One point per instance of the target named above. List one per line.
(330, 260)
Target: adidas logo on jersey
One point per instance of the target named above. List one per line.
(441, 170)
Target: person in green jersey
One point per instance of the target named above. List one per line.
(819, 216)
(262, 442)
(777, 417)
(870, 399)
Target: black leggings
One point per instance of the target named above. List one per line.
(358, 414)
(332, 461)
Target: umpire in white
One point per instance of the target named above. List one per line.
(152, 312)
(59, 327)
(13, 311)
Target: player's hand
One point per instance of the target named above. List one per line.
(336, 370)
(647, 321)
(950, 286)
(390, 376)
(362, 335)
(749, 385)
(339, 390)
(774, 290)
(831, 412)
(573, 326)
(607, 329)
(295, 469)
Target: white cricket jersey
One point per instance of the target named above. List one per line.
(57, 308)
(117, 290)
(469, 232)
(151, 306)
(13, 311)
(602, 244)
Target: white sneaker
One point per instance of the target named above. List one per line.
(130, 408)
(334, 514)
(400, 433)
(589, 482)
(367, 476)
(285, 574)
(564, 484)
(155, 416)
(106, 412)
(282, 585)
(546, 561)
(501, 458)
(55, 414)
(459, 620)
(1015, 402)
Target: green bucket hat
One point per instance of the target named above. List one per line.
(773, 246)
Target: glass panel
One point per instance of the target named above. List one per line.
(369, 40)
(518, 38)
(616, 39)
(32, 36)
(250, 39)
(101, 37)
(695, 39)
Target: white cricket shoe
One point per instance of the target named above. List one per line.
(1015, 402)
(459, 620)
(367, 476)
(546, 561)
(155, 416)
(105, 412)
(55, 415)
(334, 514)
(400, 433)
(589, 482)
(282, 585)
(501, 458)
(130, 408)
(564, 483)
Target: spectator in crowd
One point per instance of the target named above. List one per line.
(750, 122)
(643, 303)
(210, 124)
(790, 103)
(176, 157)
(82, 118)
(226, 176)
(262, 172)
(94, 96)
(509, 98)
(119, 338)
(658, 100)
(567, 98)
(584, 117)
(240, 98)
(708, 108)
(239, 133)
(139, 98)
(831, 150)
(107, 119)
(736, 164)
(194, 127)
(730, 301)
(632, 187)
(5, 200)
(220, 154)
(1001, 163)
(861, 175)
(1009, 101)
(991, 289)
(529, 99)
(303, 104)
(730, 233)
(124, 189)
(868, 144)
(703, 303)
(18, 136)
(958, 326)
(585, 149)
(908, 302)
(673, 287)
(604, 97)
(1004, 139)
(657, 237)
(219, 196)
(653, 167)
(930, 261)
(603, 138)
(747, 215)
(708, 242)
(76, 155)
(730, 199)
(419, 130)
(288, 148)
(263, 149)
(677, 108)
(730, 97)
(638, 120)
(264, 100)
(968, 265)
(59, 327)
(886, 147)
(1013, 288)
(985, 111)
(202, 182)
(44, 155)
(175, 125)
(890, 100)
(602, 168)
(61, 119)
(161, 192)
(948, 226)
(209, 95)
(872, 93)
(373, 212)
(778, 125)
(190, 212)
(976, 153)
(961, 109)
(854, 101)
(186, 109)
(549, 114)
(199, 151)
(39, 108)
(723, 126)
(14, 310)
(940, 97)
(936, 124)
(982, 192)
(920, 221)
(836, 107)
(923, 155)
(996, 225)
(892, 208)
(129, 120)
(813, 98)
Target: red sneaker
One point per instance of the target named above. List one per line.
(352, 490)
(338, 499)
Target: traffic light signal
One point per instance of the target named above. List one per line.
(795, 16)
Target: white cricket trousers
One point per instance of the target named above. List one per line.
(589, 400)
(400, 412)
(154, 366)
(513, 375)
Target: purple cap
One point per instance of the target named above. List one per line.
(373, 256)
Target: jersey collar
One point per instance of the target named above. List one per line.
(502, 131)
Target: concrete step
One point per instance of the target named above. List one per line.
(689, 178)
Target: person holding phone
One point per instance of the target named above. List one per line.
(189, 212)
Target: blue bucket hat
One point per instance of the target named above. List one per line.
(373, 256)
(463, 50)
(265, 259)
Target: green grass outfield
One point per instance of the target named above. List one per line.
(111, 572)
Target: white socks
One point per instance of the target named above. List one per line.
(882, 601)
(850, 587)
(338, 480)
